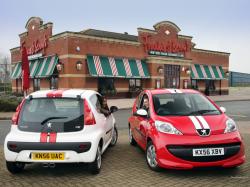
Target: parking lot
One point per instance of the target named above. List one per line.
(125, 165)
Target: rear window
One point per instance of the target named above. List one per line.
(52, 115)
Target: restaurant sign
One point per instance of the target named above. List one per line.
(179, 55)
(170, 46)
(38, 45)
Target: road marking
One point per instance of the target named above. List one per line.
(237, 115)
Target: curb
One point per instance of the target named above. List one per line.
(5, 118)
(230, 100)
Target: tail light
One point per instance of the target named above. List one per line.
(15, 116)
(89, 118)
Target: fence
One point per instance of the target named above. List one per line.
(239, 79)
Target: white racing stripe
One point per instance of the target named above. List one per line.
(203, 122)
(174, 90)
(170, 90)
(195, 122)
(178, 91)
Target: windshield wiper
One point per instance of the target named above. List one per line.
(201, 112)
(50, 118)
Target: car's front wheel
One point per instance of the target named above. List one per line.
(151, 157)
(15, 167)
(95, 167)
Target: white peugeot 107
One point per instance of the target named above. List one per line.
(60, 126)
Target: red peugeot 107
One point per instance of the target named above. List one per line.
(183, 129)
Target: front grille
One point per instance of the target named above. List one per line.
(185, 152)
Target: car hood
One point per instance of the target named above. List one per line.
(190, 125)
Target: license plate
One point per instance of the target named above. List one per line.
(208, 152)
(47, 156)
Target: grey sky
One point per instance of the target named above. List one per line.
(222, 25)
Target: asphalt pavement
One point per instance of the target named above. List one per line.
(125, 165)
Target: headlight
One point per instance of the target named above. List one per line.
(230, 126)
(166, 128)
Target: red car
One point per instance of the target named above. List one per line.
(183, 129)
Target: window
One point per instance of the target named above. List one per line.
(194, 84)
(210, 84)
(62, 114)
(106, 86)
(172, 76)
(16, 85)
(96, 101)
(36, 84)
(53, 83)
(182, 104)
(139, 101)
(135, 85)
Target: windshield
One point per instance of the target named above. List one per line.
(183, 104)
(51, 115)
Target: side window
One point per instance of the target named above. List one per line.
(96, 102)
(139, 101)
(142, 100)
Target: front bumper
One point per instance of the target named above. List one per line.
(175, 151)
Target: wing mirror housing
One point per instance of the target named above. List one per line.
(113, 109)
(142, 113)
(223, 109)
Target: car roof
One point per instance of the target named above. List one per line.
(65, 93)
(172, 91)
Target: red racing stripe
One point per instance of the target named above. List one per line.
(52, 137)
(55, 93)
(43, 137)
(50, 94)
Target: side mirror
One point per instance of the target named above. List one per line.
(142, 113)
(113, 109)
(223, 109)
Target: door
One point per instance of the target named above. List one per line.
(172, 76)
(140, 123)
(102, 121)
(108, 126)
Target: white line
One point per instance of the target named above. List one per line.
(204, 122)
(195, 122)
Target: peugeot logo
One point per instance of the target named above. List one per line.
(203, 132)
(49, 125)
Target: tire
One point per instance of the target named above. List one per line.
(15, 167)
(151, 157)
(95, 167)
(131, 138)
(114, 137)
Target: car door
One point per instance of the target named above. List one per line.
(100, 118)
(108, 122)
(140, 124)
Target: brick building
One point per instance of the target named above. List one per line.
(118, 64)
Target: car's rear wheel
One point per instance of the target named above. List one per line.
(15, 167)
(151, 157)
(130, 136)
(95, 167)
(114, 137)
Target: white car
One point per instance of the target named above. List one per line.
(60, 126)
